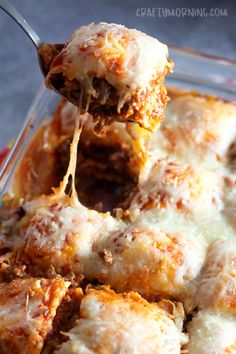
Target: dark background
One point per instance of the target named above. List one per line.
(55, 20)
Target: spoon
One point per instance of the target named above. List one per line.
(46, 52)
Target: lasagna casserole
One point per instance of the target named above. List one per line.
(145, 260)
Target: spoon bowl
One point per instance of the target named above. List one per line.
(46, 54)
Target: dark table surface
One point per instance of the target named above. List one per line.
(55, 20)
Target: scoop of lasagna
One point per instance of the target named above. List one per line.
(113, 72)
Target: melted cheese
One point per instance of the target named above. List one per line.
(125, 58)
(160, 261)
(71, 170)
(197, 129)
(200, 229)
(27, 308)
(120, 70)
(180, 186)
(61, 190)
(112, 323)
(60, 235)
(212, 332)
(152, 261)
(131, 135)
(229, 210)
(217, 288)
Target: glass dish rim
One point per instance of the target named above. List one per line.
(216, 58)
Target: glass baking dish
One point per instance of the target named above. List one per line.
(193, 71)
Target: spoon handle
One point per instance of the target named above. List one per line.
(16, 16)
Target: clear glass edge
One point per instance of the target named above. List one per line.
(31, 124)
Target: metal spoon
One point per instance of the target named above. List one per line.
(46, 52)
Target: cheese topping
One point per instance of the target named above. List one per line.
(152, 261)
(60, 235)
(183, 187)
(197, 128)
(112, 323)
(27, 309)
(120, 70)
(212, 332)
(217, 288)
(125, 58)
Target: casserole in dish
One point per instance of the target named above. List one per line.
(159, 230)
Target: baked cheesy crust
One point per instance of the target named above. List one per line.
(155, 221)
